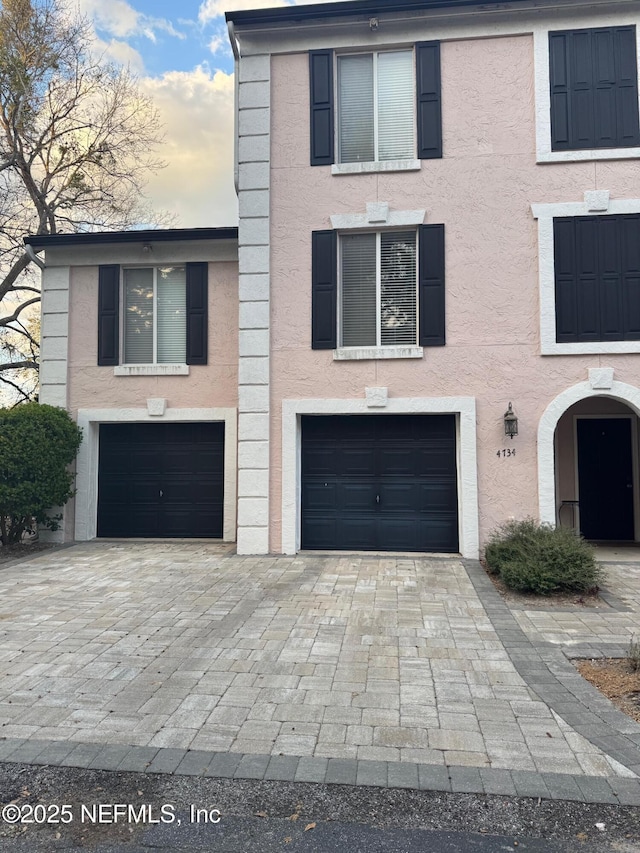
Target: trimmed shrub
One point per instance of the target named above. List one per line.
(539, 558)
(37, 444)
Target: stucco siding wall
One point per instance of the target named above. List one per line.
(482, 190)
(206, 386)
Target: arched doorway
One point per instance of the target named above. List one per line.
(588, 462)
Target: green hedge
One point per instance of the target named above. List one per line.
(539, 558)
(38, 443)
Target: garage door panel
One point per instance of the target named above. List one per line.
(210, 460)
(355, 533)
(319, 460)
(161, 480)
(319, 531)
(438, 497)
(438, 533)
(319, 496)
(396, 460)
(407, 461)
(354, 460)
(354, 497)
(141, 489)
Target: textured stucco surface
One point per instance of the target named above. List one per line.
(482, 189)
(214, 384)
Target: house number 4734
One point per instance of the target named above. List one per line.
(508, 451)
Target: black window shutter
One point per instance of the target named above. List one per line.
(197, 312)
(428, 95)
(564, 249)
(630, 251)
(431, 286)
(108, 314)
(594, 88)
(321, 97)
(324, 289)
(559, 79)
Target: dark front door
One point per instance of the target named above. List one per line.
(605, 477)
(161, 480)
(379, 483)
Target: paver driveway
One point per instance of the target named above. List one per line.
(187, 645)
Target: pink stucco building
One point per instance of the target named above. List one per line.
(439, 216)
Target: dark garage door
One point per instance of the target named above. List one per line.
(161, 480)
(379, 483)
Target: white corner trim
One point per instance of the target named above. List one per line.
(463, 407)
(89, 420)
(54, 343)
(376, 166)
(544, 154)
(545, 214)
(362, 353)
(396, 218)
(151, 370)
(621, 391)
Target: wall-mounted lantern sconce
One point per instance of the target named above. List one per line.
(373, 24)
(146, 248)
(510, 423)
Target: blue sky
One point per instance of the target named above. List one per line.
(180, 51)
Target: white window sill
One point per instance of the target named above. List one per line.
(591, 348)
(588, 154)
(377, 166)
(151, 370)
(362, 353)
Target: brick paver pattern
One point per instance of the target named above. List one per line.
(187, 645)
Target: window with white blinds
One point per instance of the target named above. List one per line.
(376, 117)
(378, 289)
(155, 315)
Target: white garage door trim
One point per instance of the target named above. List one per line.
(89, 421)
(463, 407)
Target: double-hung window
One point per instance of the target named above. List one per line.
(377, 110)
(378, 289)
(154, 315)
(378, 294)
(376, 113)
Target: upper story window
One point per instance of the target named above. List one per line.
(378, 294)
(378, 289)
(376, 95)
(155, 315)
(387, 113)
(597, 278)
(594, 88)
(587, 91)
(161, 311)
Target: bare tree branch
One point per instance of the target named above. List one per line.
(76, 146)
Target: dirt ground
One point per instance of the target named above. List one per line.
(618, 681)
(9, 553)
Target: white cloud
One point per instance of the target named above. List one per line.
(120, 19)
(196, 108)
(212, 9)
(121, 53)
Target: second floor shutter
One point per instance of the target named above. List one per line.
(197, 312)
(108, 314)
(431, 286)
(321, 98)
(324, 289)
(428, 98)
